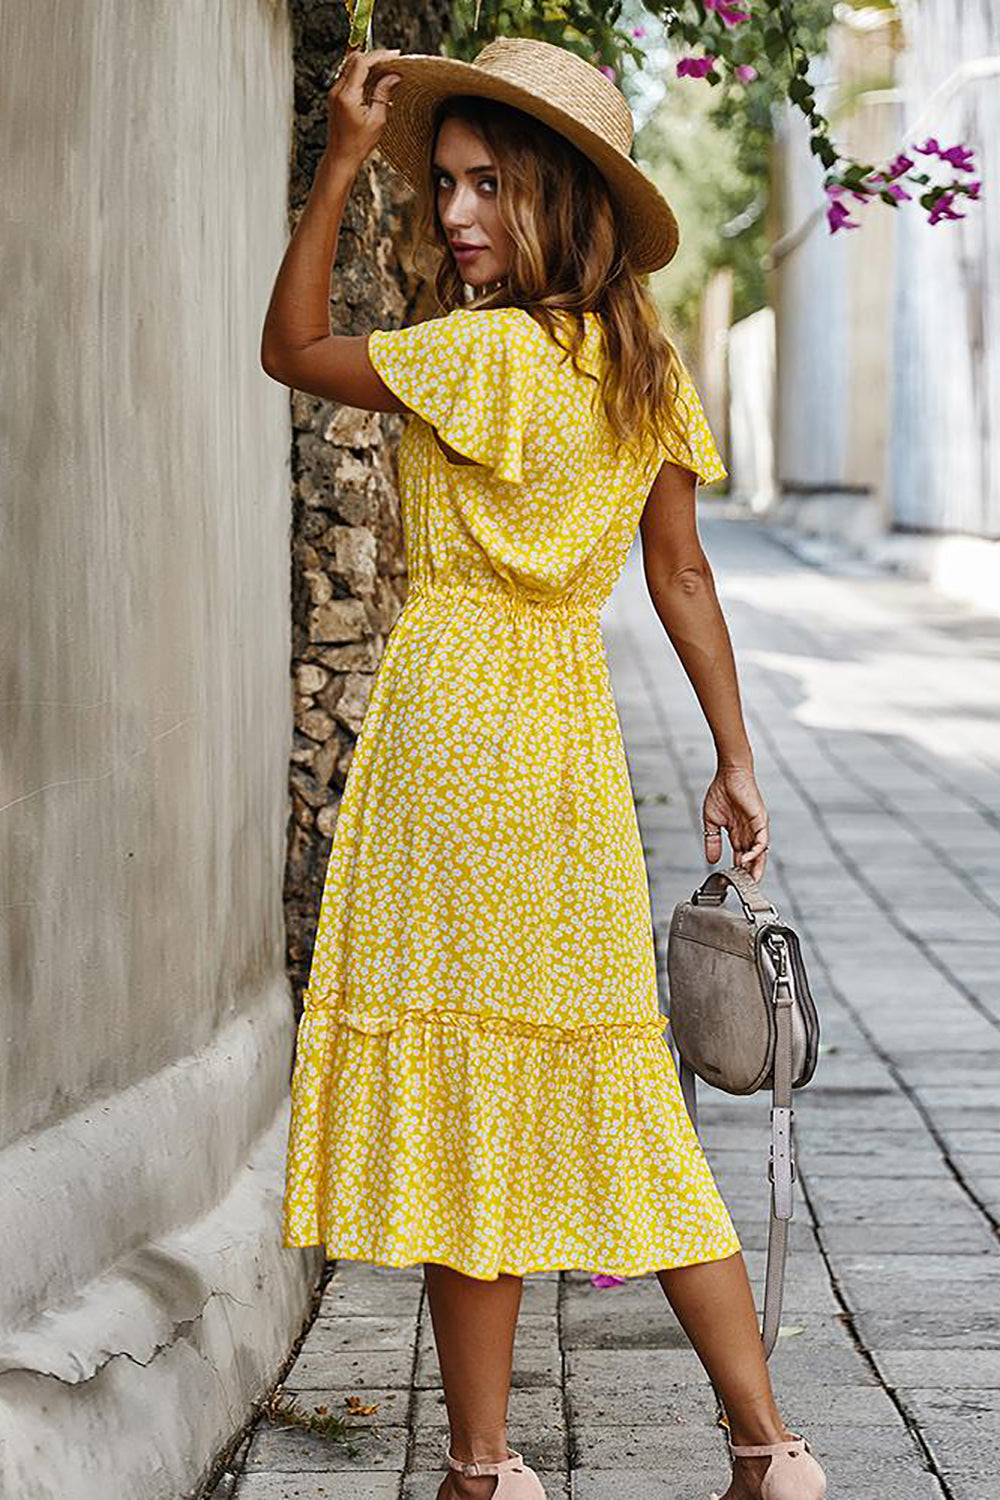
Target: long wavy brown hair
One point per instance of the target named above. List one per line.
(568, 258)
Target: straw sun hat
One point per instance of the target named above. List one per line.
(555, 86)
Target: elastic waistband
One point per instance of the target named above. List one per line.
(503, 599)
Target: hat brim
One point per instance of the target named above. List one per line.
(647, 220)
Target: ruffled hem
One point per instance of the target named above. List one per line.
(390, 1261)
(496, 1146)
(704, 458)
(470, 1022)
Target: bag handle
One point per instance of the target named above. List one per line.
(713, 891)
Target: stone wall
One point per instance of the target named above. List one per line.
(348, 564)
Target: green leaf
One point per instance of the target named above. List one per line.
(774, 43)
(360, 14)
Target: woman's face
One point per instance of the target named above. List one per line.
(465, 188)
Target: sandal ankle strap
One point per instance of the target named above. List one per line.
(796, 1444)
(512, 1464)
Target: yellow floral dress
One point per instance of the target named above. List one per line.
(481, 1076)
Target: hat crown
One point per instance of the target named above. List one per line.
(565, 80)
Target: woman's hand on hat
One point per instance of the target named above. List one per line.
(354, 124)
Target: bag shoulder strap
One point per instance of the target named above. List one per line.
(781, 1159)
(781, 1162)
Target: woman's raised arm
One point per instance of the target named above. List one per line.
(297, 347)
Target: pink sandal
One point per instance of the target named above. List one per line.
(517, 1481)
(792, 1474)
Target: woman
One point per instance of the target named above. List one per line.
(481, 1083)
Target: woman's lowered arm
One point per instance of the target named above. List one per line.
(682, 589)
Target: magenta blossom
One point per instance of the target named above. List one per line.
(638, 31)
(605, 1278)
(899, 164)
(960, 157)
(943, 209)
(895, 191)
(884, 184)
(729, 14)
(695, 67)
(607, 70)
(745, 72)
(838, 217)
(862, 194)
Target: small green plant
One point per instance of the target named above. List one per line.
(287, 1410)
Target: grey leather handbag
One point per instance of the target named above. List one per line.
(742, 1018)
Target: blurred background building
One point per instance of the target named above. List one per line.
(862, 402)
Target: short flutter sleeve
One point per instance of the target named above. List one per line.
(704, 458)
(470, 374)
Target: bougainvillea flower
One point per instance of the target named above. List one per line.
(943, 209)
(695, 67)
(838, 216)
(862, 193)
(899, 164)
(883, 183)
(605, 1278)
(730, 14)
(638, 31)
(607, 70)
(960, 157)
(745, 72)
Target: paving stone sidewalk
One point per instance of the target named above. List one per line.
(874, 708)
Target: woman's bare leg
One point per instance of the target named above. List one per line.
(713, 1302)
(474, 1324)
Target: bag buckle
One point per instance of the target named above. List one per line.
(781, 990)
(792, 1169)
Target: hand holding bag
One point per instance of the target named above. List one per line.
(742, 1018)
